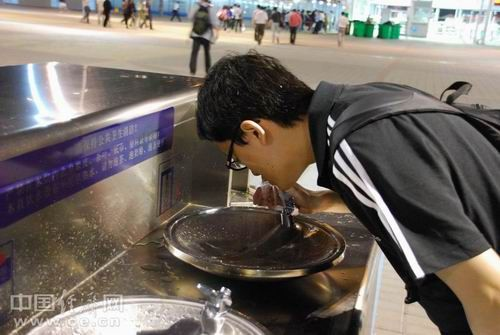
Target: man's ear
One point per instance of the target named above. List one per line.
(253, 130)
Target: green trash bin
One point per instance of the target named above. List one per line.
(359, 28)
(395, 31)
(384, 30)
(369, 28)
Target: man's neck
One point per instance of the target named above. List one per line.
(299, 138)
(308, 148)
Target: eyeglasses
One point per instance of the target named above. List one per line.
(232, 163)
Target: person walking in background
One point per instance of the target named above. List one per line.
(132, 13)
(86, 11)
(318, 18)
(175, 11)
(205, 31)
(229, 19)
(149, 14)
(295, 22)
(142, 14)
(238, 18)
(309, 20)
(303, 17)
(259, 20)
(98, 9)
(343, 23)
(223, 16)
(286, 19)
(107, 8)
(63, 7)
(276, 25)
(231, 24)
(124, 11)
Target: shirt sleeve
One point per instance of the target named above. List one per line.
(400, 177)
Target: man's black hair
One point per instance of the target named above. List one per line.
(248, 87)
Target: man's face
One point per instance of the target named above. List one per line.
(261, 163)
(268, 154)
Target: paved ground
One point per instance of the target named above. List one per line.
(29, 35)
(37, 36)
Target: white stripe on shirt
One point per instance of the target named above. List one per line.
(331, 122)
(385, 215)
(361, 197)
(329, 128)
(353, 177)
(340, 176)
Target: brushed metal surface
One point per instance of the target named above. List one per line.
(52, 102)
(368, 295)
(240, 180)
(132, 315)
(317, 304)
(64, 244)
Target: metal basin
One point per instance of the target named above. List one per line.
(136, 315)
(250, 243)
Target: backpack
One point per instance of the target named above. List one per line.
(382, 100)
(222, 15)
(201, 22)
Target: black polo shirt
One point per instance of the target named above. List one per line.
(427, 186)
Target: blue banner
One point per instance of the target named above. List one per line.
(34, 180)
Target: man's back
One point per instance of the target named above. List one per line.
(201, 22)
(276, 17)
(442, 184)
(426, 185)
(237, 13)
(107, 6)
(343, 22)
(260, 17)
(295, 20)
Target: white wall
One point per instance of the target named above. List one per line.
(402, 3)
(459, 4)
(449, 4)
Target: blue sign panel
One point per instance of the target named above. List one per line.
(34, 180)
